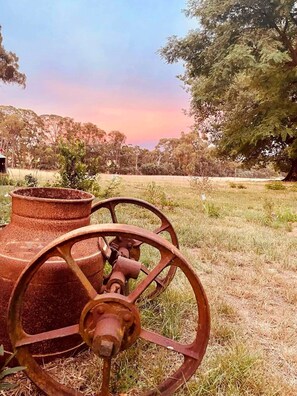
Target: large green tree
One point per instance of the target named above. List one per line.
(9, 67)
(241, 70)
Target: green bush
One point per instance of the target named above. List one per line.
(275, 185)
(31, 181)
(157, 196)
(73, 172)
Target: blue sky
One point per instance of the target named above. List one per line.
(97, 61)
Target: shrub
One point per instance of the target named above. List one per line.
(112, 187)
(157, 196)
(275, 185)
(73, 172)
(31, 181)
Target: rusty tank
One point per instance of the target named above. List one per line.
(39, 215)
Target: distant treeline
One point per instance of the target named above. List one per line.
(32, 141)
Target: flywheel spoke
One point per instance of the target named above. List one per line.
(162, 228)
(29, 339)
(66, 255)
(111, 209)
(166, 259)
(146, 271)
(167, 343)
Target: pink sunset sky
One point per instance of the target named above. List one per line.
(100, 64)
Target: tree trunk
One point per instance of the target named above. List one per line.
(292, 175)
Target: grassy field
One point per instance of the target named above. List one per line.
(241, 239)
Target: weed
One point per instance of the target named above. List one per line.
(112, 187)
(157, 196)
(212, 210)
(201, 184)
(269, 214)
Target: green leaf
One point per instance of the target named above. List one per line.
(10, 371)
(7, 386)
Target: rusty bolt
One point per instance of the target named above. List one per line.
(127, 317)
(100, 309)
(105, 348)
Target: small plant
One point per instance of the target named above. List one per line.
(31, 181)
(211, 210)
(269, 214)
(275, 185)
(232, 185)
(157, 196)
(112, 187)
(201, 184)
(6, 371)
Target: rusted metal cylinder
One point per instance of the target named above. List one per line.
(56, 297)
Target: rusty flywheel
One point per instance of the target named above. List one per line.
(110, 322)
(130, 247)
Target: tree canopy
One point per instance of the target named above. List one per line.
(9, 67)
(241, 70)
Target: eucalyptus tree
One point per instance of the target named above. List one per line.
(241, 70)
(9, 67)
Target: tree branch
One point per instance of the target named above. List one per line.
(287, 43)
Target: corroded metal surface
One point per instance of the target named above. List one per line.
(131, 247)
(39, 215)
(110, 322)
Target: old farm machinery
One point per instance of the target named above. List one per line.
(66, 285)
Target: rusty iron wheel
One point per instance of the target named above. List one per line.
(116, 306)
(134, 245)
